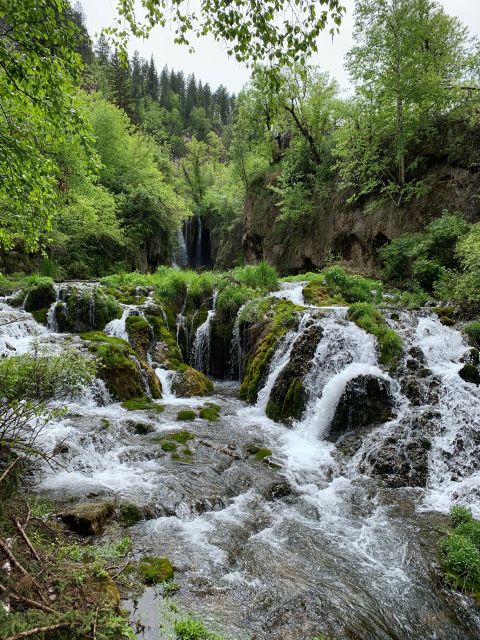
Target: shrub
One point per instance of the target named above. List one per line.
(190, 629)
(351, 288)
(460, 550)
(259, 276)
(368, 318)
(473, 333)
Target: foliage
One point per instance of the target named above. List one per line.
(369, 318)
(272, 31)
(186, 414)
(38, 68)
(472, 329)
(350, 287)
(210, 412)
(460, 551)
(155, 570)
(408, 65)
(190, 629)
(421, 260)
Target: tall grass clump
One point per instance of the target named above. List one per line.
(460, 551)
(369, 318)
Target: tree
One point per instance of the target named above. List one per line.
(120, 84)
(151, 84)
(38, 68)
(272, 31)
(407, 66)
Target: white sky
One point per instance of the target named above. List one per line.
(210, 62)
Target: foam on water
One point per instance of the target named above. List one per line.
(292, 291)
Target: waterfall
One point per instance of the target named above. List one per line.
(166, 378)
(18, 330)
(201, 344)
(198, 246)
(181, 255)
(117, 327)
(292, 291)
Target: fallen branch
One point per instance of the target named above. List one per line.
(37, 630)
(31, 603)
(121, 570)
(94, 633)
(26, 540)
(8, 469)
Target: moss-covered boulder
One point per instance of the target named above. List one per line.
(282, 316)
(470, 373)
(40, 295)
(366, 401)
(88, 519)
(288, 397)
(189, 383)
(165, 349)
(119, 367)
(140, 335)
(85, 309)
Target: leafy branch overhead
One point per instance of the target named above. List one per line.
(272, 31)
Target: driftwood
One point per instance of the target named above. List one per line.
(31, 603)
(8, 469)
(26, 540)
(21, 569)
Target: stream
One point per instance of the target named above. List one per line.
(311, 541)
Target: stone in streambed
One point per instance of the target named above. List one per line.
(366, 401)
(88, 519)
(189, 383)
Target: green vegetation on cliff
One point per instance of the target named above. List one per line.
(460, 551)
(369, 318)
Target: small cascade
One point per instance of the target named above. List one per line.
(17, 330)
(237, 359)
(201, 345)
(117, 327)
(279, 360)
(181, 256)
(52, 322)
(292, 291)
(198, 246)
(166, 378)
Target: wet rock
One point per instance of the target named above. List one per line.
(140, 335)
(276, 490)
(88, 519)
(141, 428)
(470, 373)
(288, 397)
(85, 309)
(472, 356)
(366, 401)
(400, 458)
(190, 382)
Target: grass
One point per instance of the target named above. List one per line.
(369, 318)
(339, 286)
(186, 415)
(191, 629)
(460, 552)
(210, 412)
(142, 404)
(182, 437)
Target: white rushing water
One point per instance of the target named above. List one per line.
(201, 344)
(292, 291)
(118, 327)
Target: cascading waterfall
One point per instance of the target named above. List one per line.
(292, 291)
(18, 329)
(201, 344)
(198, 246)
(181, 256)
(118, 327)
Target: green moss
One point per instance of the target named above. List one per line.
(292, 405)
(168, 445)
(140, 335)
(182, 437)
(190, 629)
(282, 318)
(470, 373)
(317, 294)
(86, 310)
(368, 318)
(210, 412)
(162, 334)
(142, 404)
(118, 369)
(130, 514)
(186, 414)
(40, 294)
(189, 383)
(263, 453)
(155, 570)
(187, 452)
(41, 315)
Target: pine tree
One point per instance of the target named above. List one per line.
(151, 86)
(102, 50)
(138, 88)
(121, 84)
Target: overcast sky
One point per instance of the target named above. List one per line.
(210, 62)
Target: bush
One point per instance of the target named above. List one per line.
(368, 318)
(351, 288)
(190, 629)
(460, 550)
(473, 333)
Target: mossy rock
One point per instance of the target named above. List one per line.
(165, 351)
(83, 310)
(142, 404)
(130, 514)
(41, 315)
(190, 382)
(122, 375)
(182, 437)
(40, 295)
(140, 335)
(168, 446)
(186, 415)
(88, 519)
(142, 428)
(470, 373)
(210, 412)
(155, 570)
(260, 453)
(283, 316)
(317, 294)
(288, 397)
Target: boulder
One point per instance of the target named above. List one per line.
(366, 401)
(470, 373)
(189, 382)
(88, 519)
(140, 335)
(288, 397)
(85, 309)
(40, 295)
